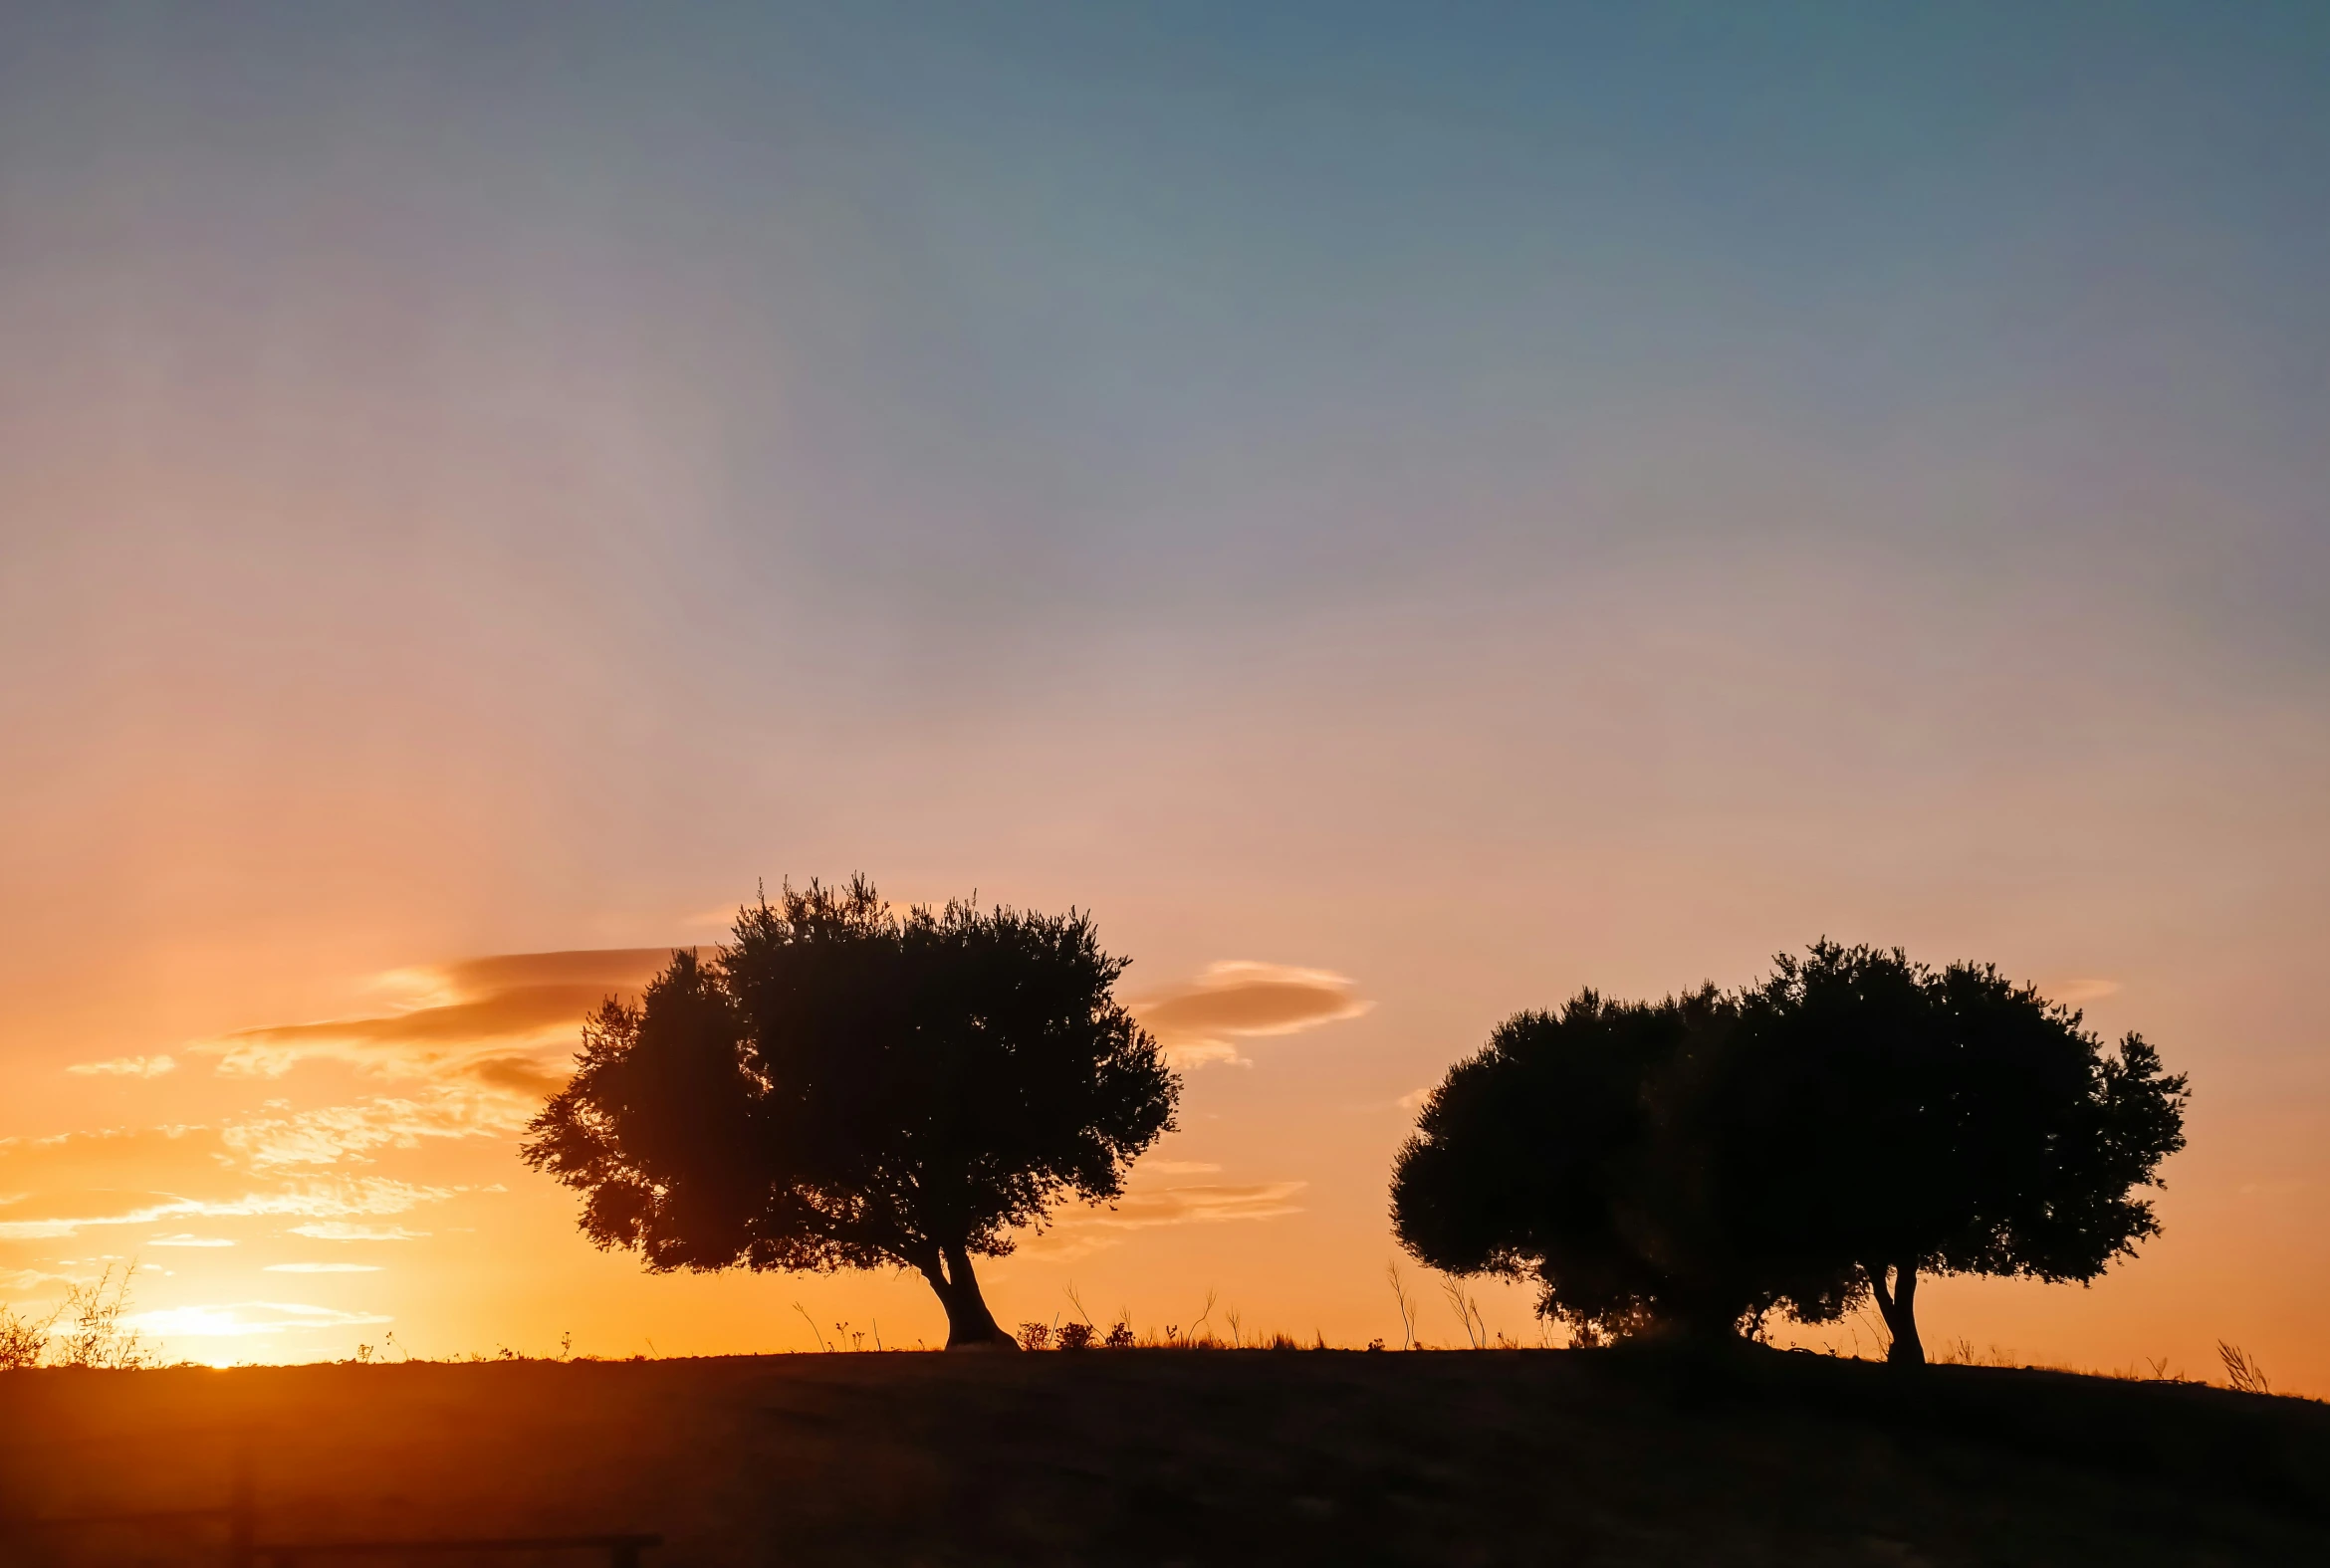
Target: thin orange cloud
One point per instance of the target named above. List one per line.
(124, 1177)
(1201, 1021)
(348, 1134)
(1206, 1204)
(473, 1014)
(370, 1195)
(342, 1231)
(1082, 1231)
(239, 1319)
(125, 1067)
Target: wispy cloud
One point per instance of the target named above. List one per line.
(342, 1231)
(125, 1067)
(124, 1177)
(1202, 1020)
(1210, 1205)
(241, 1319)
(345, 1134)
(321, 1268)
(357, 1196)
(2073, 993)
(482, 1019)
(188, 1240)
(1087, 1230)
(80, 1181)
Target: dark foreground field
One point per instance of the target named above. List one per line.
(1164, 1456)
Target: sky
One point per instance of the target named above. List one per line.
(1404, 511)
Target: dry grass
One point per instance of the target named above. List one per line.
(2242, 1371)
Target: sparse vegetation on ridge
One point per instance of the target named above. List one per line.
(1639, 1455)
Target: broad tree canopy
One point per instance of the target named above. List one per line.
(1561, 1152)
(1884, 1120)
(1830, 1134)
(846, 1087)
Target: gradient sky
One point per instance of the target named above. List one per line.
(1402, 511)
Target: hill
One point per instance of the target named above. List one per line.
(1166, 1457)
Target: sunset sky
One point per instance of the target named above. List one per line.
(1402, 511)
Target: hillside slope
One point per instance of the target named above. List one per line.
(1164, 1456)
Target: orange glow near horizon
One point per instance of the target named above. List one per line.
(1401, 518)
(354, 1178)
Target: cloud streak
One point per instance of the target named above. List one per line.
(343, 1230)
(242, 1319)
(125, 1067)
(484, 1019)
(1087, 1230)
(347, 1195)
(348, 1134)
(1202, 1020)
(77, 1182)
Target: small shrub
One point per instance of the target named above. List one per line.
(1121, 1336)
(1075, 1336)
(21, 1340)
(98, 1337)
(1035, 1336)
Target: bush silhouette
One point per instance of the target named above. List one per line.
(1850, 1124)
(846, 1087)
(1565, 1151)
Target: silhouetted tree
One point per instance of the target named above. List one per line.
(1566, 1152)
(1879, 1121)
(844, 1087)
(1835, 1133)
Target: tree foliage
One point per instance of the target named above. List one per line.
(1550, 1154)
(1891, 1120)
(846, 1087)
(1830, 1134)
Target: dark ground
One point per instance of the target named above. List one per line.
(1172, 1457)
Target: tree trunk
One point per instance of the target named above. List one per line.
(1899, 1307)
(970, 1326)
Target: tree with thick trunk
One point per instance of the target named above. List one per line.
(1897, 1304)
(1878, 1120)
(846, 1087)
(970, 1325)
